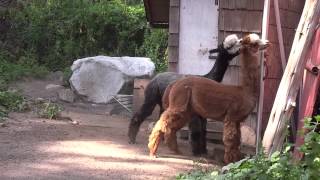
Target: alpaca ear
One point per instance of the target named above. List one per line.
(216, 50)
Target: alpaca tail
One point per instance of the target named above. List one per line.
(157, 134)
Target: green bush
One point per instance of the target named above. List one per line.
(49, 110)
(155, 47)
(11, 101)
(11, 72)
(280, 166)
(53, 33)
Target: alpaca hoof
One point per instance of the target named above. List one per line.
(178, 152)
(132, 142)
(153, 156)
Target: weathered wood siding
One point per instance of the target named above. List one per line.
(240, 17)
(290, 12)
(173, 43)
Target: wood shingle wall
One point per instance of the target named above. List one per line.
(240, 17)
(290, 12)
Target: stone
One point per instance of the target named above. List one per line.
(66, 95)
(99, 78)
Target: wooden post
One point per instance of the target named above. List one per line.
(279, 33)
(173, 41)
(290, 82)
(264, 33)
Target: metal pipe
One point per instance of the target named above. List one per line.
(279, 32)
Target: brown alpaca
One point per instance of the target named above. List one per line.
(210, 99)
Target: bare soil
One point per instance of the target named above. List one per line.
(94, 148)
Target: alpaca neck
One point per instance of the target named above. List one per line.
(219, 69)
(250, 73)
(222, 62)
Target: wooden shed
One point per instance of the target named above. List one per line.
(198, 25)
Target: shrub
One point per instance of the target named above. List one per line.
(11, 101)
(279, 166)
(53, 33)
(49, 110)
(155, 47)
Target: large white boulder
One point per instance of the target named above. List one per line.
(99, 78)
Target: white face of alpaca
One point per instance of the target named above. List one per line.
(254, 43)
(255, 39)
(232, 44)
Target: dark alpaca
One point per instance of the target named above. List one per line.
(209, 99)
(156, 88)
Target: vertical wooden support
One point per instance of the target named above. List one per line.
(173, 42)
(279, 32)
(290, 82)
(264, 33)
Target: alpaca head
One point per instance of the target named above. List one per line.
(253, 43)
(232, 44)
(230, 47)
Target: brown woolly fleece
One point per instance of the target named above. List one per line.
(209, 99)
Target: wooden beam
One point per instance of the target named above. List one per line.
(174, 28)
(264, 33)
(290, 82)
(279, 32)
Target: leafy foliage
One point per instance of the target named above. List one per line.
(155, 47)
(50, 110)
(11, 101)
(11, 72)
(53, 33)
(279, 166)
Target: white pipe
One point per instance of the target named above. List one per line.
(279, 32)
(264, 33)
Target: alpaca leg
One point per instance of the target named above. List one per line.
(156, 136)
(198, 140)
(203, 136)
(231, 140)
(138, 118)
(171, 141)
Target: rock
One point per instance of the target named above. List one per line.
(99, 78)
(66, 95)
(53, 87)
(3, 125)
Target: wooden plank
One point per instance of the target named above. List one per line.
(272, 36)
(258, 4)
(233, 19)
(279, 33)
(173, 54)
(173, 67)
(250, 4)
(253, 21)
(284, 4)
(173, 40)
(241, 4)
(290, 83)
(174, 20)
(221, 20)
(293, 19)
(264, 33)
(284, 15)
(231, 4)
(174, 3)
(272, 19)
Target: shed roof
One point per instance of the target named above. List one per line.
(157, 12)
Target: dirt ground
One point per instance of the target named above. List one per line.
(95, 148)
